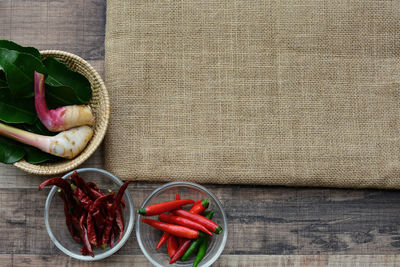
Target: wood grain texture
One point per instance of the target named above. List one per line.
(272, 226)
(272, 221)
(225, 260)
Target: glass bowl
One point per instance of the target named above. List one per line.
(148, 236)
(55, 218)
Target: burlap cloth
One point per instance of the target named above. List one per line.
(255, 92)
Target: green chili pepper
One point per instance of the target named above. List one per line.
(202, 251)
(196, 243)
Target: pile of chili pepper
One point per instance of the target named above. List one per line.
(93, 218)
(184, 231)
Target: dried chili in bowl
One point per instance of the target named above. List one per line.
(93, 218)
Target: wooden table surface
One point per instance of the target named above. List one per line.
(268, 226)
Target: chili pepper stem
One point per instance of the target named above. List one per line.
(142, 211)
(218, 230)
(205, 203)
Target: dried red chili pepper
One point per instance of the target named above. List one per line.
(118, 197)
(120, 222)
(84, 237)
(112, 239)
(181, 250)
(99, 219)
(77, 210)
(91, 231)
(115, 232)
(159, 208)
(83, 199)
(78, 180)
(93, 185)
(84, 251)
(122, 201)
(107, 230)
(94, 194)
(68, 218)
(75, 223)
(58, 181)
(61, 183)
(101, 201)
(111, 213)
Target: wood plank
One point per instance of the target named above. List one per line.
(225, 260)
(267, 220)
(262, 220)
(73, 26)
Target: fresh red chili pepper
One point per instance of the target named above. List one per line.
(120, 222)
(172, 245)
(180, 240)
(200, 206)
(173, 229)
(181, 250)
(91, 231)
(83, 199)
(164, 207)
(84, 236)
(184, 222)
(163, 239)
(68, 218)
(165, 236)
(210, 225)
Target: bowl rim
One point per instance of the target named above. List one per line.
(219, 205)
(118, 245)
(98, 136)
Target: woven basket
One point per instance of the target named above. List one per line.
(100, 105)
